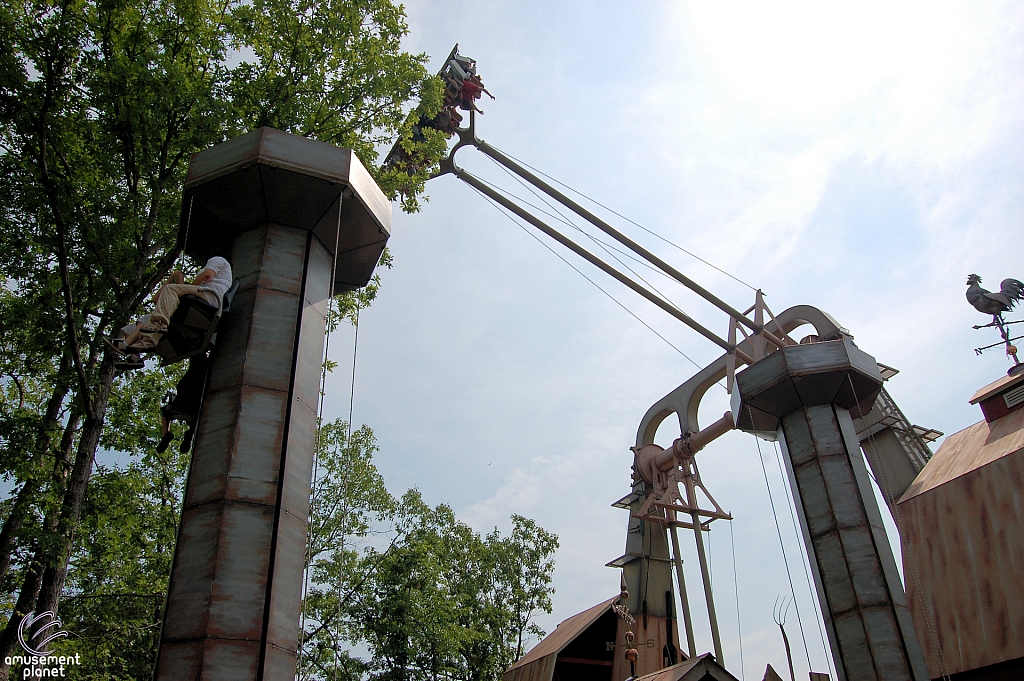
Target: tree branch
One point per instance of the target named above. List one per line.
(69, 312)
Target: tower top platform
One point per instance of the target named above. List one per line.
(270, 176)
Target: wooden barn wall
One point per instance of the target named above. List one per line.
(963, 546)
(649, 644)
(538, 670)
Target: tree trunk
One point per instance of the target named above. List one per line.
(57, 561)
(26, 495)
(14, 522)
(9, 637)
(33, 577)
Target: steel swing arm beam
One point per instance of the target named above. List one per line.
(519, 170)
(504, 201)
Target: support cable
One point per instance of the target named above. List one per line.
(736, 590)
(344, 491)
(320, 418)
(782, 546)
(568, 221)
(487, 190)
(620, 237)
(594, 283)
(560, 218)
(805, 558)
(316, 470)
(604, 246)
(633, 222)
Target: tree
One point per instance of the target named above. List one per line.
(429, 597)
(102, 103)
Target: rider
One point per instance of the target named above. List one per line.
(212, 282)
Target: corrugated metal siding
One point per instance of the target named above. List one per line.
(963, 555)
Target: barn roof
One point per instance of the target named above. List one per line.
(564, 633)
(969, 450)
(699, 667)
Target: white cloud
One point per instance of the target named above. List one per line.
(863, 158)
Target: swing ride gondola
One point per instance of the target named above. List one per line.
(192, 328)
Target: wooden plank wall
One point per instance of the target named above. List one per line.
(963, 558)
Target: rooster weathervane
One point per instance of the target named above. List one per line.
(1011, 291)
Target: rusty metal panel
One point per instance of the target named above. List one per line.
(701, 668)
(970, 449)
(298, 471)
(232, 339)
(268, 176)
(237, 598)
(236, 583)
(861, 598)
(649, 644)
(246, 258)
(211, 453)
(284, 256)
(230, 660)
(963, 551)
(286, 594)
(832, 372)
(271, 334)
(893, 468)
(195, 563)
(180, 661)
(259, 437)
(996, 387)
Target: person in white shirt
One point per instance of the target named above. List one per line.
(212, 282)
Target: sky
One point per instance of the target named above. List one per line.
(863, 158)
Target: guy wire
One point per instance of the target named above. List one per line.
(652, 233)
(344, 490)
(594, 283)
(316, 470)
(568, 221)
(806, 561)
(736, 590)
(782, 546)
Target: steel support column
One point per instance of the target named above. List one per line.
(235, 593)
(294, 215)
(807, 392)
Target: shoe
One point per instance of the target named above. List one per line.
(130, 363)
(146, 344)
(164, 442)
(186, 441)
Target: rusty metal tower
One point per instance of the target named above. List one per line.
(303, 220)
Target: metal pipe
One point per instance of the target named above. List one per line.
(708, 595)
(666, 460)
(684, 600)
(623, 239)
(480, 186)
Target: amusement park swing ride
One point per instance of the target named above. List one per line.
(304, 220)
(821, 398)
